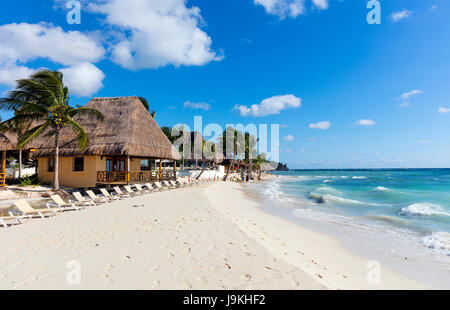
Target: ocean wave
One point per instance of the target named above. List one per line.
(327, 181)
(425, 209)
(324, 198)
(381, 189)
(273, 191)
(359, 177)
(438, 241)
(388, 219)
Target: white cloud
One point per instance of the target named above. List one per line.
(291, 8)
(269, 106)
(197, 105)
(365, 122)
(423, 142)
(10, 72)
(444, 110)
(28, 42)
(433, 7)
(407, 95)
(320, 125)
(398, 16)
(24, 43)
(155, 33)
(283, 8)
(321, 4)
(84, 79)
(289, 138)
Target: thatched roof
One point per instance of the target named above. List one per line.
(8, 141)
(127, 129)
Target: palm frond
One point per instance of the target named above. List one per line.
(81, 134)
(33, 133)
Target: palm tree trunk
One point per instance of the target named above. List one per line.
(56, 173)
(250, 174)
(20, 163)
(201, 172)
(228, 170)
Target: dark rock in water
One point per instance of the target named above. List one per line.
(282, 167)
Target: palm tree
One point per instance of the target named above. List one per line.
(19, 127)
(147, 106)
(44, 99)
(237, 139)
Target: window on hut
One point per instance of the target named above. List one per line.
(51, 165)
(145, 165)
(78, 164)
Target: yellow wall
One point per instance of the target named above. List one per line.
(69, 178)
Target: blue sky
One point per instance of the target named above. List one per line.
(219, 55)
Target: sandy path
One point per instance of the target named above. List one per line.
(172, 240)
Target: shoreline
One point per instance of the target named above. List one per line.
(330, 263)
(212, 236)
(393, 254)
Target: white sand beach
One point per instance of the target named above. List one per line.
(212, 236)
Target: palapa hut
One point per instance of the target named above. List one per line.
(8, 142)
(121, 149)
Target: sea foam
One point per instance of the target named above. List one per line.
(438, 241)
(424, 209)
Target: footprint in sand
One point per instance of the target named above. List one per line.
(246, 277)
(202, 279)
(108, 268)
(154, 268)
(156, 284)
(186, 285)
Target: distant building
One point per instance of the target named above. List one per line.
(126, 147)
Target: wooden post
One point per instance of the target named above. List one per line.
(3, 176)
(128, 169)
(175, 169)
(160, 170)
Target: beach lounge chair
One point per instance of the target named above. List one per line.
(160, 187)
(67, 206)
(130, 191)
(95, 198)
(175, 184)
(141, 190)
(120, 193)
(81, 200)
(27, 210)
(185, 182)
(13, 220)
(109, 196)
(168, 185)
(150, 187)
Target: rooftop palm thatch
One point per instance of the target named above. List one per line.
(126, 130)
(8, 141)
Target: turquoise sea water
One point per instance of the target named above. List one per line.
(401, 211)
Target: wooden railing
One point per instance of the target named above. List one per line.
(2, 179)
(123, 177)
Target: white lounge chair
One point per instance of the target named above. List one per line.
(168, 185)
(12, 220)
(142, 190)
(27, 210)
(67, 206)
(130, 191)
(120, 193)
(95, 198)
(160, 187)
(150, 187)
(109, 196)
(82, 200)
(175, 184)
